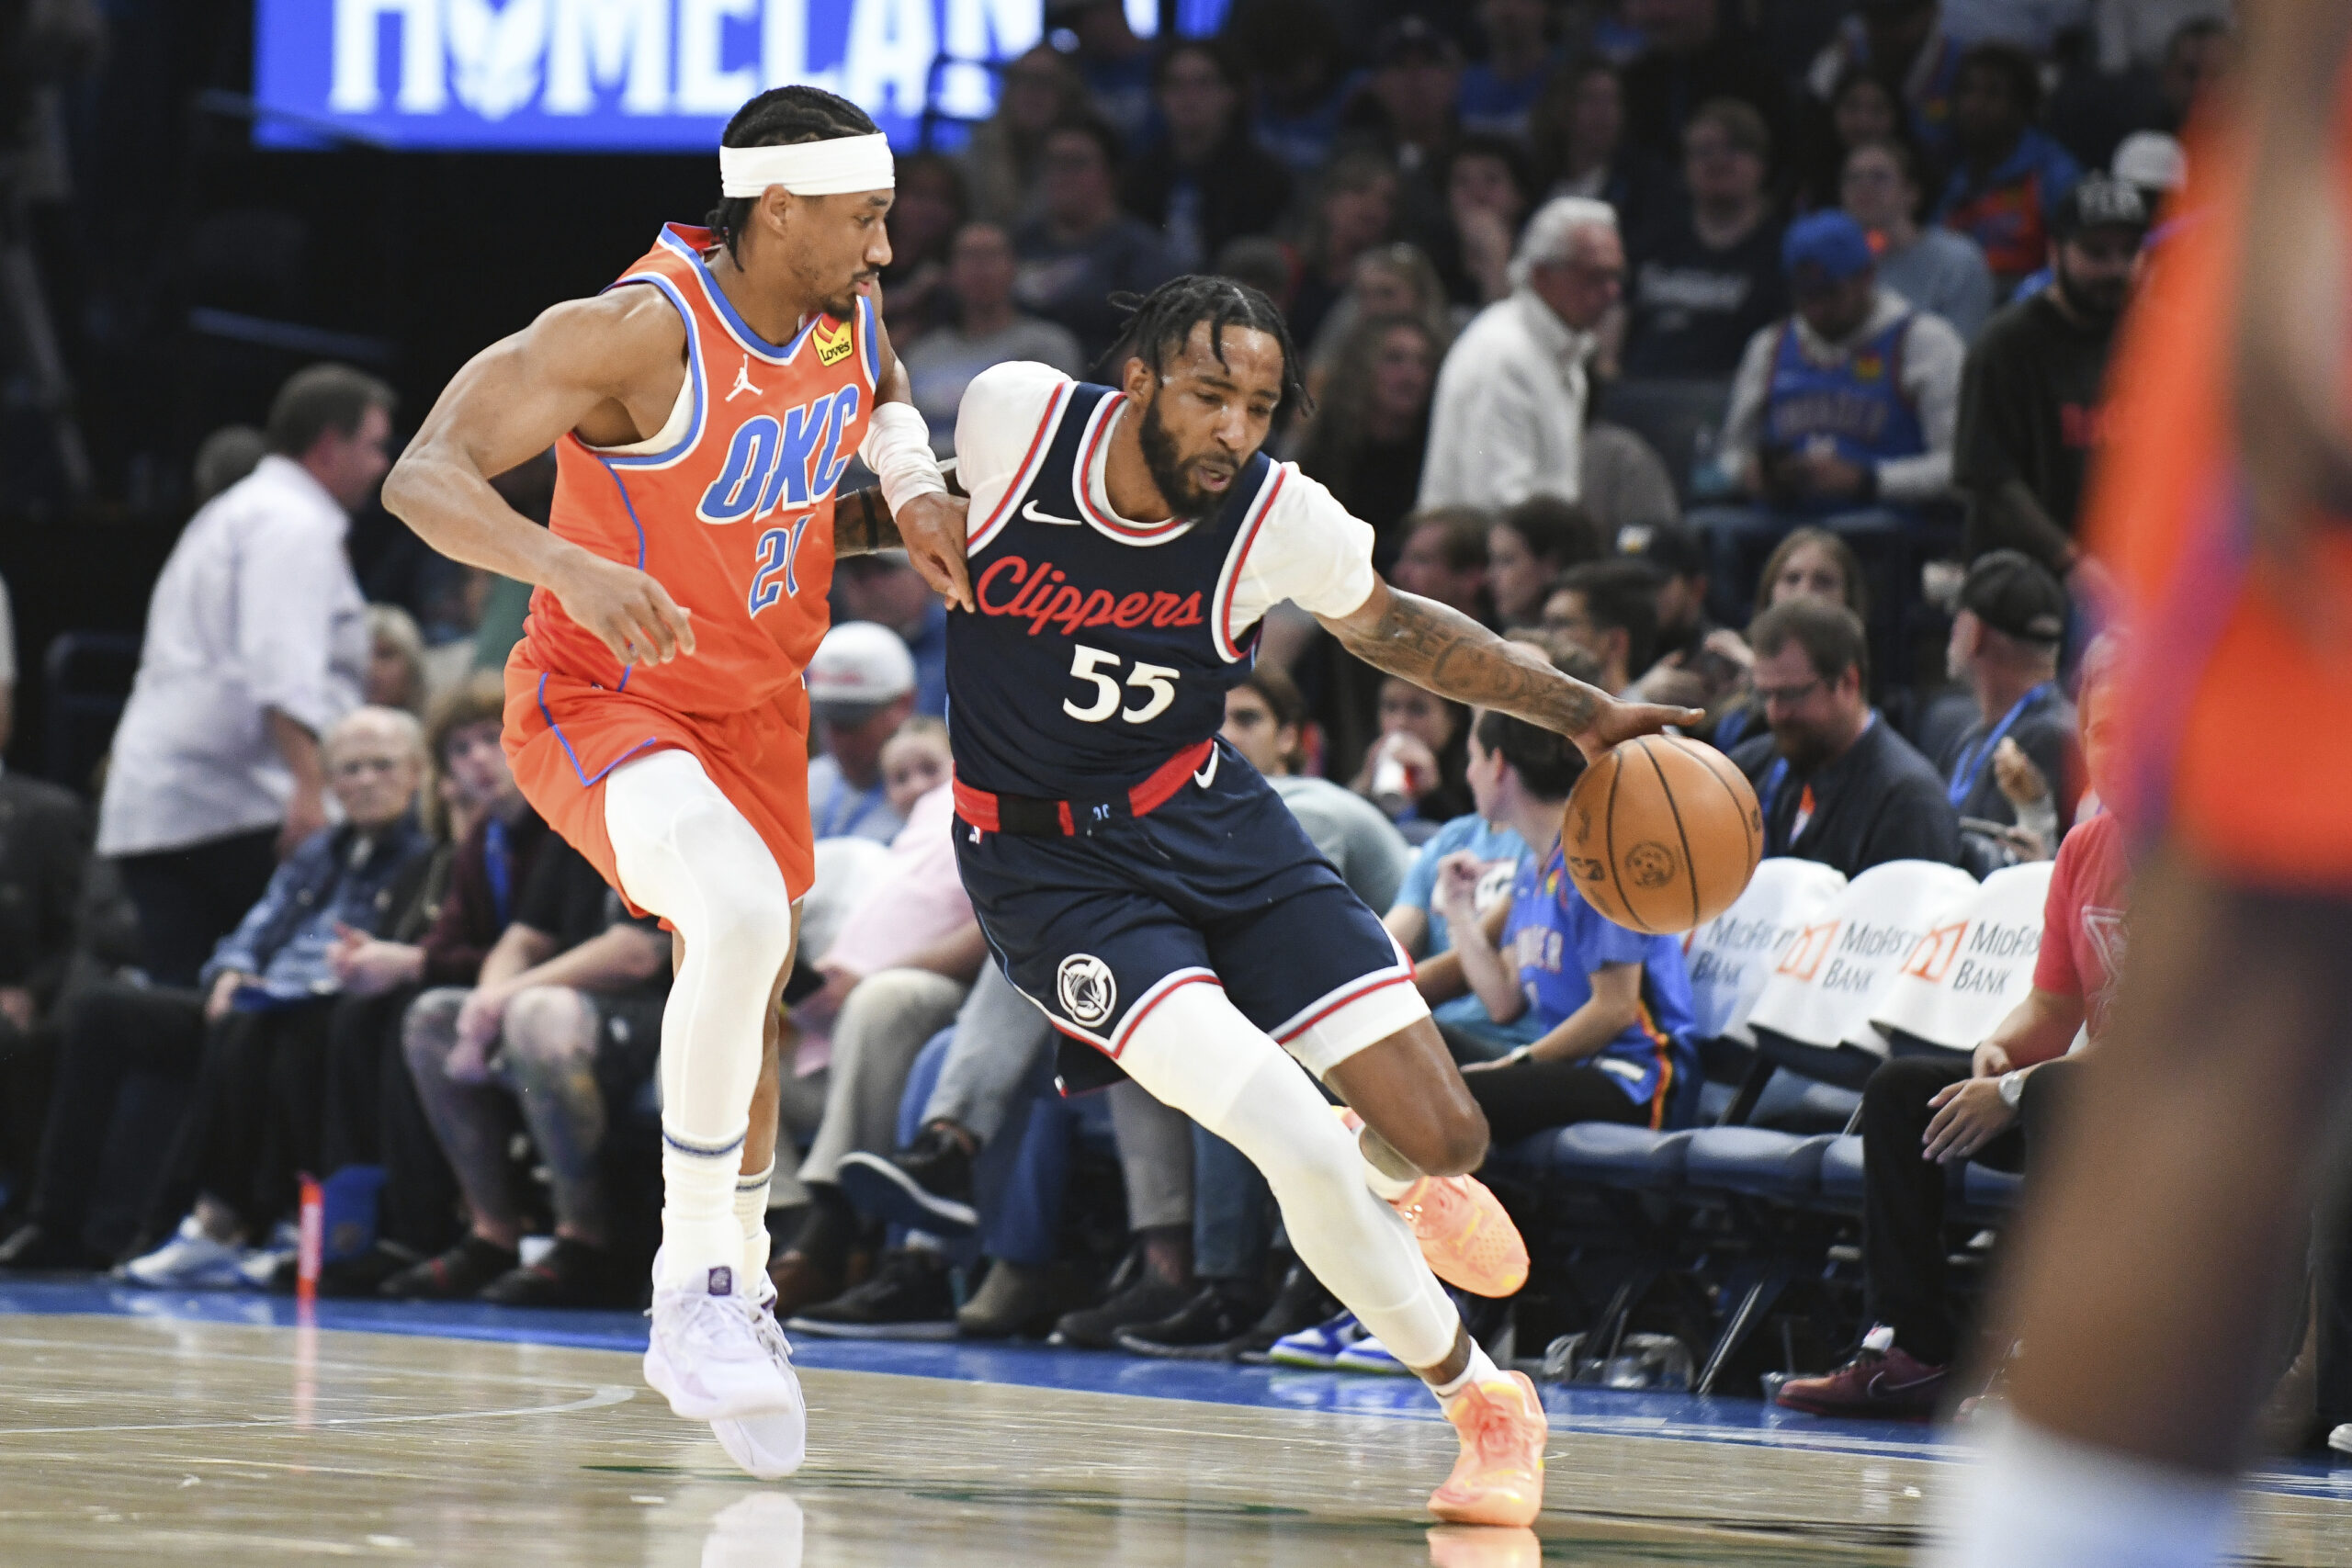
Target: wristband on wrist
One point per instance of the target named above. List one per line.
(898, 448)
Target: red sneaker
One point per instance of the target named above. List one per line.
(1884, 1381)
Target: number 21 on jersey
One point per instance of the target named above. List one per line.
(1155, 683)
(776, 551)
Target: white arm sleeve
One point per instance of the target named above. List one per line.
(1308, 550)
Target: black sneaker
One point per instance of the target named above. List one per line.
(363, 1273)
(1204, 1329)
(1017, 1301)
(33, 1247)
(908, 1298)
(1147, 1299)
(573, 1274)
(926, 1186)
(1302, 1302)
(456, 1275)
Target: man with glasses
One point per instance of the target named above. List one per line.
(1506, 420)
(1838, 784)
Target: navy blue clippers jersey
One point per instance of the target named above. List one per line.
(1100, 647)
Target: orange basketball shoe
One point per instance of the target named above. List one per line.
(1465, 1236)
(1499, 1480)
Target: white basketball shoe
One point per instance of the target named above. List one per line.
(770, 1446)
(710, 1357)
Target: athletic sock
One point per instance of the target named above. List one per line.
(1481, 1369)
(699, 1231)
(752, 1215)
(2036, 1500)
(1387, 1188)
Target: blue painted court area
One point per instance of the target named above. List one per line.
(1591, 1411)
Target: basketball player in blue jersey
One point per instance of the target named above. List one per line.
(1140, 881)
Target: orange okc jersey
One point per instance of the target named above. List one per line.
(731, 508)
(2232, 711)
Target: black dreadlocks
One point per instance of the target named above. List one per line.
(778, 118)
(1161, 322)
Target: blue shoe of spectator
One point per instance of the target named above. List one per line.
(1318, 1346)
(1369, 1355)
(190, 1260)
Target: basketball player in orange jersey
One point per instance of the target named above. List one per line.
(702, 410)
(2154, 1268)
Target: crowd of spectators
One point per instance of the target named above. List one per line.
(1728, 357)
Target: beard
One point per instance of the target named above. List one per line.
(2099, 302)
(1803, 748)
(1170, 474)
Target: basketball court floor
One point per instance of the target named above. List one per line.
(211, 1429)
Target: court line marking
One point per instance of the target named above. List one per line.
(181, 1352)
(611, 1393)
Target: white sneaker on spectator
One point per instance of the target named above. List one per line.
(2340, 1438)
(1369, 1355)
(709, 1356)
(191, 1260)
(771, 1445)
(259, 1266)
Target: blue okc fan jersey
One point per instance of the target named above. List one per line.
(1101, 647)
(1858, 404)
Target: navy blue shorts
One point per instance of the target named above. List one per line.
(1219, 884)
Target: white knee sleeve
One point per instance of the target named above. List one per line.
(1197, 1052)
(684, 852)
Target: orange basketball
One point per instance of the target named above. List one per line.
(1662, 834)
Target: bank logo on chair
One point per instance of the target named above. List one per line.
(1089, 993)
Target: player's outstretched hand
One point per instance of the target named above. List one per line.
(932, 527)
(1620, 721)
(626, 610)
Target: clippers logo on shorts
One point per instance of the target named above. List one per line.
(1101, 647)
(1089, 993)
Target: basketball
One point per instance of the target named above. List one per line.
(1662, 834)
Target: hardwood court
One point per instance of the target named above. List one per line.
(160, 1438)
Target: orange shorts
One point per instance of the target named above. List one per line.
(2254, 777)
(564, 735)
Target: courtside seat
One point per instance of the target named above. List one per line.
(1841, 1173)
(1814, 1013)
(1606, 1154)
(1969, 968)
(1986, 1191)
(1731, 956)
(1756, 1161)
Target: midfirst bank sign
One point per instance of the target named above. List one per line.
(611, 75)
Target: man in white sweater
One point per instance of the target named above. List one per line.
(1507, 418)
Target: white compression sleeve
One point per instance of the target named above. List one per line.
(1197, 1052)
(898, 448)
(684, 852)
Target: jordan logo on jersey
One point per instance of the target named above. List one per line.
(744, 381)
(794, 461)
(832, 347)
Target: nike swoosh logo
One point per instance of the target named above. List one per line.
(1208, 772)
(1031, 512)
(1884, 1387)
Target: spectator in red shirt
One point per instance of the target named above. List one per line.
(1922, 1113)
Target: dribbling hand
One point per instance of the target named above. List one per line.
(626, 610)
(1620, 721)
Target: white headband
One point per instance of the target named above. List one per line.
(808, 168)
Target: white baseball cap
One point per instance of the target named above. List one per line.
(2152, 161)
(861, 664)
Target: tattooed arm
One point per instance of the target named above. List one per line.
(862, 522)
(1445, 652)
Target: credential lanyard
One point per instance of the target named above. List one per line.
(498, 865)
(1971, 761)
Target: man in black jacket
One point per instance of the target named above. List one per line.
(1838, 784)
